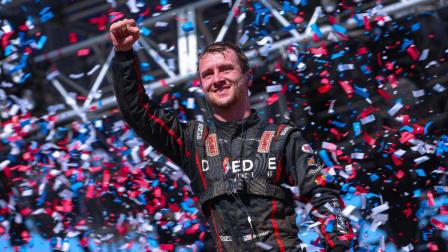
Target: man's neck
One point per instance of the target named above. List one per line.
(231, 115)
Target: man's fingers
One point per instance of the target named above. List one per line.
(128, 40)
(124, 33)
(131, 22)
(133, 30)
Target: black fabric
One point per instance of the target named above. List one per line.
(235, 218)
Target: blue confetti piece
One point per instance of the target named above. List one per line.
(361, 91)
(46, 15)
(329, 227)
(372, 195)
(357, 128)
(339, 29)
(427, 125)
(337, 55)
(144, 66)
(266, 19)
(406, 43)
(338, 124)
(145, 31)
(188, 27)
(316, 30)
(9, 50)
(41, 42)
(287, 7)
(407, 128)
(324, 156)
(141, 198)
(374, 177)
(76, 186)
(148, 77)
(442, 147)
(42, 198)
(24, 78)
(420, 172)
(365, 69)
(417, 193)
(416, 26)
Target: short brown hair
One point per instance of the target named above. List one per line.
(223, 46)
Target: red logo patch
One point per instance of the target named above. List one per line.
(307, 148)
(265, 142)
(211, 144)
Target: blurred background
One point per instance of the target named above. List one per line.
(364, 80)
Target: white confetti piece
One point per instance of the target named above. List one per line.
(395, 109)
(273, 88)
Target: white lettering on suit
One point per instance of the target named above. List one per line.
(205, 166)
(244, 165)
(272, 164)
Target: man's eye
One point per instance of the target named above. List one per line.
(227, 70)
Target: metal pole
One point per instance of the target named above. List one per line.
(156, 57)
(228, 21)
(280, 18)
(98, 80)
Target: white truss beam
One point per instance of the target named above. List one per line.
(188, 75)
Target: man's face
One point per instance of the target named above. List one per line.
(223, 82)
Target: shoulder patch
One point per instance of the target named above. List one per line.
(285, 130)
(265, 142)
(200, 131)
(211, 144)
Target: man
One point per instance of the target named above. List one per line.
(238, 165)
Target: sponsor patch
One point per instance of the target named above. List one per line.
(200, 131)
(225, 238)
(211, 145)
(285, 130)
(226, 164)
(265, 142)
(307, 148)
(311, 162)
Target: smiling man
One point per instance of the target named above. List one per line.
(240, 167)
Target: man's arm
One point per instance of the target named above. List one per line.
(156, 126)
(307, 172)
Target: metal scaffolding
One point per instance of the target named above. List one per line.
(187, 47)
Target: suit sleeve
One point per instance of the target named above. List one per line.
(315, 186)
(158, 127)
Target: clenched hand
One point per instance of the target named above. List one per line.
(123, 34)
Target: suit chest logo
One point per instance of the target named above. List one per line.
(211, 145)
(265, 142)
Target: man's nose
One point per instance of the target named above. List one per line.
(217, 78)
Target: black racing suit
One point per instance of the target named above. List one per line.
(239, 221)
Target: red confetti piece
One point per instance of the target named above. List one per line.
(430, 199)
(348, 89)
(324, 88)
(102, 20)
(72, 37)
(367, 23)
(399, 174)
(406, 136)
(392, 80)
(438, 224)
(272, 99)
(319, 50)
(413, 52)
(83, 52)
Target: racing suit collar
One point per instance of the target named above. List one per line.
(249, 121)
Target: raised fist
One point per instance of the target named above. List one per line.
(123, 34)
